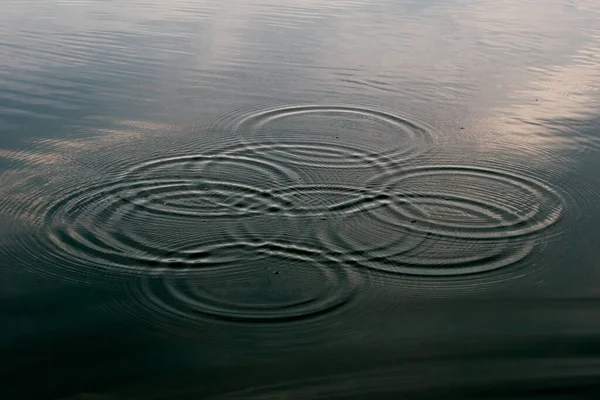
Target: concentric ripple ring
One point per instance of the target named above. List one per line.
(508, 205)
(363, 241)
(200, 197)
(370, 131)
(271, 289)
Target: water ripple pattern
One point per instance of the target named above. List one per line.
(234, 250)
(265, 228)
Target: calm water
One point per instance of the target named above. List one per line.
(269, 199)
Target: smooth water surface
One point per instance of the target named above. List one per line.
(269, 199)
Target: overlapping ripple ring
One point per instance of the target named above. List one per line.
(276, 194)
(235, 199)
(208, 266)
(446, 221)
(92, 230)
(326, 200)
(272, 276)
(101, 227)
(230, 198)
(390, 247)
(503, 213)
(330, 149)
(271, 287)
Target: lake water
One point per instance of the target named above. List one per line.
(269, 199)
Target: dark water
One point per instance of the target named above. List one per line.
(269, 199)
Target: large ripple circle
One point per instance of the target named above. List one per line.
(446, 221)
(333, 136)
(267, 286)
(175, 212)
(468, 202)
(360, 240)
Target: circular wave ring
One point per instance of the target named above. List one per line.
(361, 241)
(502, 214)
(275, 289)
(91, 225)
(408, 138)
